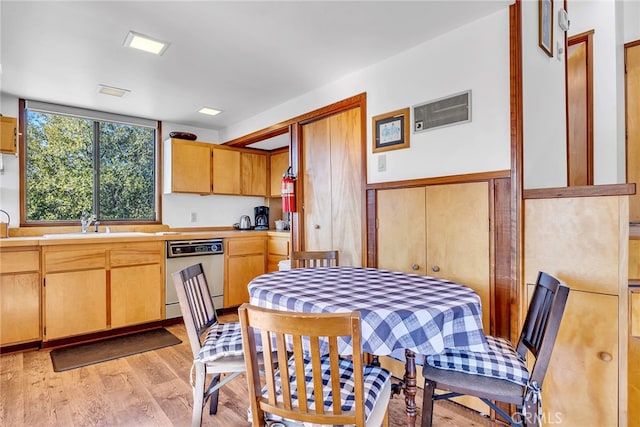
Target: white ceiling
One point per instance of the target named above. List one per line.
(238, 56)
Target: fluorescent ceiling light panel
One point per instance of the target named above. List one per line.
(146, 43)
(209, 111)
(113, 91)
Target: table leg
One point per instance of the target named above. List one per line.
(410, 387)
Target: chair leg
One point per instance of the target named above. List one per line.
(427, 403)
(213, 403)
(198, 394)
(385, 420)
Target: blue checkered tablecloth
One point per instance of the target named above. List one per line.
(398, 310)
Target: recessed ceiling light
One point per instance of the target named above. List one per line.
(146, 43)
(209, 111)
(113, 91)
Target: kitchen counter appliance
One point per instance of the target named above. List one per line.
(184, 253)
(262, 217)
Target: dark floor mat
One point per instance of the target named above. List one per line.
(112, 348)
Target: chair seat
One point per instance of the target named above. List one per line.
(222, 340)
(375, 380)
(500, 362)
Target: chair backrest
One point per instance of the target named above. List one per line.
(310, 335)
(198, 311)
(542, 323)
(306, 259)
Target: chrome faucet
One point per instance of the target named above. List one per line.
(85, 223)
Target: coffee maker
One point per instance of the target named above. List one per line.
(261, 217)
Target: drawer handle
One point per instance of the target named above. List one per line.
(317, 226)
(605, 356)
(415, 267)
(435, 268)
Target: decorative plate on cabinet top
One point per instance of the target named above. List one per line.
(183, 135)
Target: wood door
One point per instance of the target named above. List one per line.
(632, 83)
(580, 110)
(190, 167)
(581, 385)
(401, 233)
(226, 171)
(346, 187)
(136, 295)
(279, 163)
(458, 237)
(75, 303)
(254, 174)
(316, 204)
(332, 186)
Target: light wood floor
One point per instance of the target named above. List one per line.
(148, 389)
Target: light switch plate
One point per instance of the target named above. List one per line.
(382, 163)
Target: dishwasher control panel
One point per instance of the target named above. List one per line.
(181, 248)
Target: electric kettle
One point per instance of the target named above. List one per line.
(245, 223)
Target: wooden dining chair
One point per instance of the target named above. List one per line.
(502, 374)
(216, 347)
(305, 259)
(320, 386)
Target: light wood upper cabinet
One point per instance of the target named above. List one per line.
(254, 174)
(8, 135)
(226, 171)
(203, 168)
(19, 296)
(279, 163)
(189, 167)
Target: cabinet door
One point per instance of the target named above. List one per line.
(226, 171)
(581, 385)
(279, 163)
(190, 167)
(136, 295)
(19, 308)
(401, 230)
(277, 250)
(634, 354)
(458, 237)
(240, 271)
(254, 174)
(8, 135)
(75, 303)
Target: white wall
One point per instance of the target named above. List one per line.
(474, 57)
(544, 94)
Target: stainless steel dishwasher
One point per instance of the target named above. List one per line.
(184, 253)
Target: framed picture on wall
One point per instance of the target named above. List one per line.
(545, 26)
(391, 131)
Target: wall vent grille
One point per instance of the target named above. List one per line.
(447, 111)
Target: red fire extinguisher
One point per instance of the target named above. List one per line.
(288, 191)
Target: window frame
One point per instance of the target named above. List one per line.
(22, 114)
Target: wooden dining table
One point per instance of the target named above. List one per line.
(401, 314)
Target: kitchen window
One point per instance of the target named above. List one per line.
(82, 162)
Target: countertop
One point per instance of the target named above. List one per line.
(124, 237)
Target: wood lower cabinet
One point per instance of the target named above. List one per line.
(440, 231)
(634, 353)
(583, 241)
(19, 296)
(278, 249)
(136, 270)
(245, 259)
(95, 287)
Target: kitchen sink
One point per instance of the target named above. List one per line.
(90, 234)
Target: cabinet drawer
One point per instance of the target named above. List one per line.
(245, 246)
(81, 259)
(137, 254)
(19, 261)
(278, 246)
